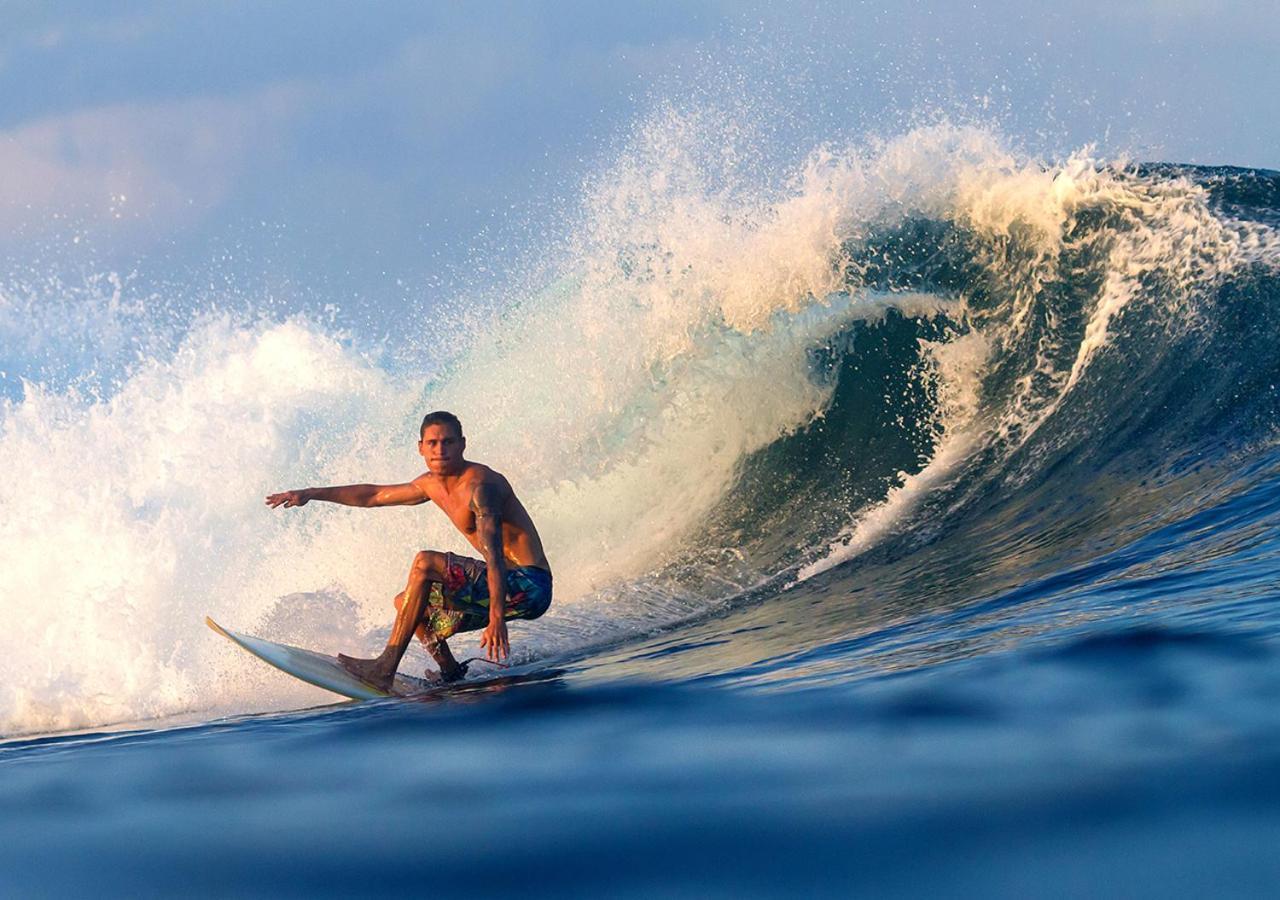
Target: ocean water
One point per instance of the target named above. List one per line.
(913, 512)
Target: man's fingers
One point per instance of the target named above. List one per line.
(495, 643)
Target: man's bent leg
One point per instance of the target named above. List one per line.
(380, 671)
(450, 668)
(423, 633)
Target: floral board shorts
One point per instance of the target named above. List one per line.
(462, 602)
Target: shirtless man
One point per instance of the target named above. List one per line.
(447, 593)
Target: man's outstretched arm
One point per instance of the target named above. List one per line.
(366, 495)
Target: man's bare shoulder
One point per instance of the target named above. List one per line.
(478, 474)
(489, 487)
(428, 483)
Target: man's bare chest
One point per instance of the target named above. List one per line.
(457, 506)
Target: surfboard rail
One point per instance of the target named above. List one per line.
(318, 669)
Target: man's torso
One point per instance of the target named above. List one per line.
(453, 494)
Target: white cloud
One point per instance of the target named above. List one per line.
(145, 168)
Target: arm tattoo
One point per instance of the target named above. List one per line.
(487, 501)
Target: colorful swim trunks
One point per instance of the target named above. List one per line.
(462, 602)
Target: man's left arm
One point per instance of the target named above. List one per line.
(487, 503)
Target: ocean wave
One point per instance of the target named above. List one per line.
(723, 387)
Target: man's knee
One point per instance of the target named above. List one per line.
(428, 565)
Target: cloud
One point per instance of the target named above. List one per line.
(141, 169)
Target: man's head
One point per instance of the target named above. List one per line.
(440, 417)
(441, 443)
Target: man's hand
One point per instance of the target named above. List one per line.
(494, 640)
(289, 498)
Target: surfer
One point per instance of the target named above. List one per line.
(448, 593)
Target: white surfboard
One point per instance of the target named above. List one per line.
(317, 668)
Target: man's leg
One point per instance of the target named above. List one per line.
(422, 632)
(450, 668)
(380, 671)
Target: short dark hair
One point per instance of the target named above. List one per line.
(439, 417)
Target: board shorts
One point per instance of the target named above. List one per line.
(461, 603)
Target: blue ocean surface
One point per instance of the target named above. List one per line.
(914, 526)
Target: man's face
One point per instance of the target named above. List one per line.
(441, 448)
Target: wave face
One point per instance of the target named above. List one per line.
(931, 363)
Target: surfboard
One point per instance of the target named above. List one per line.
(317, 668)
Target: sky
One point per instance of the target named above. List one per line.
(350, 154)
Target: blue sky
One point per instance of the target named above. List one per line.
(347, 151)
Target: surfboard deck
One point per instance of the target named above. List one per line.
(317, 668)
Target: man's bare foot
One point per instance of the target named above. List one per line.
(450, 668)
(371, 671)
(449, 674)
